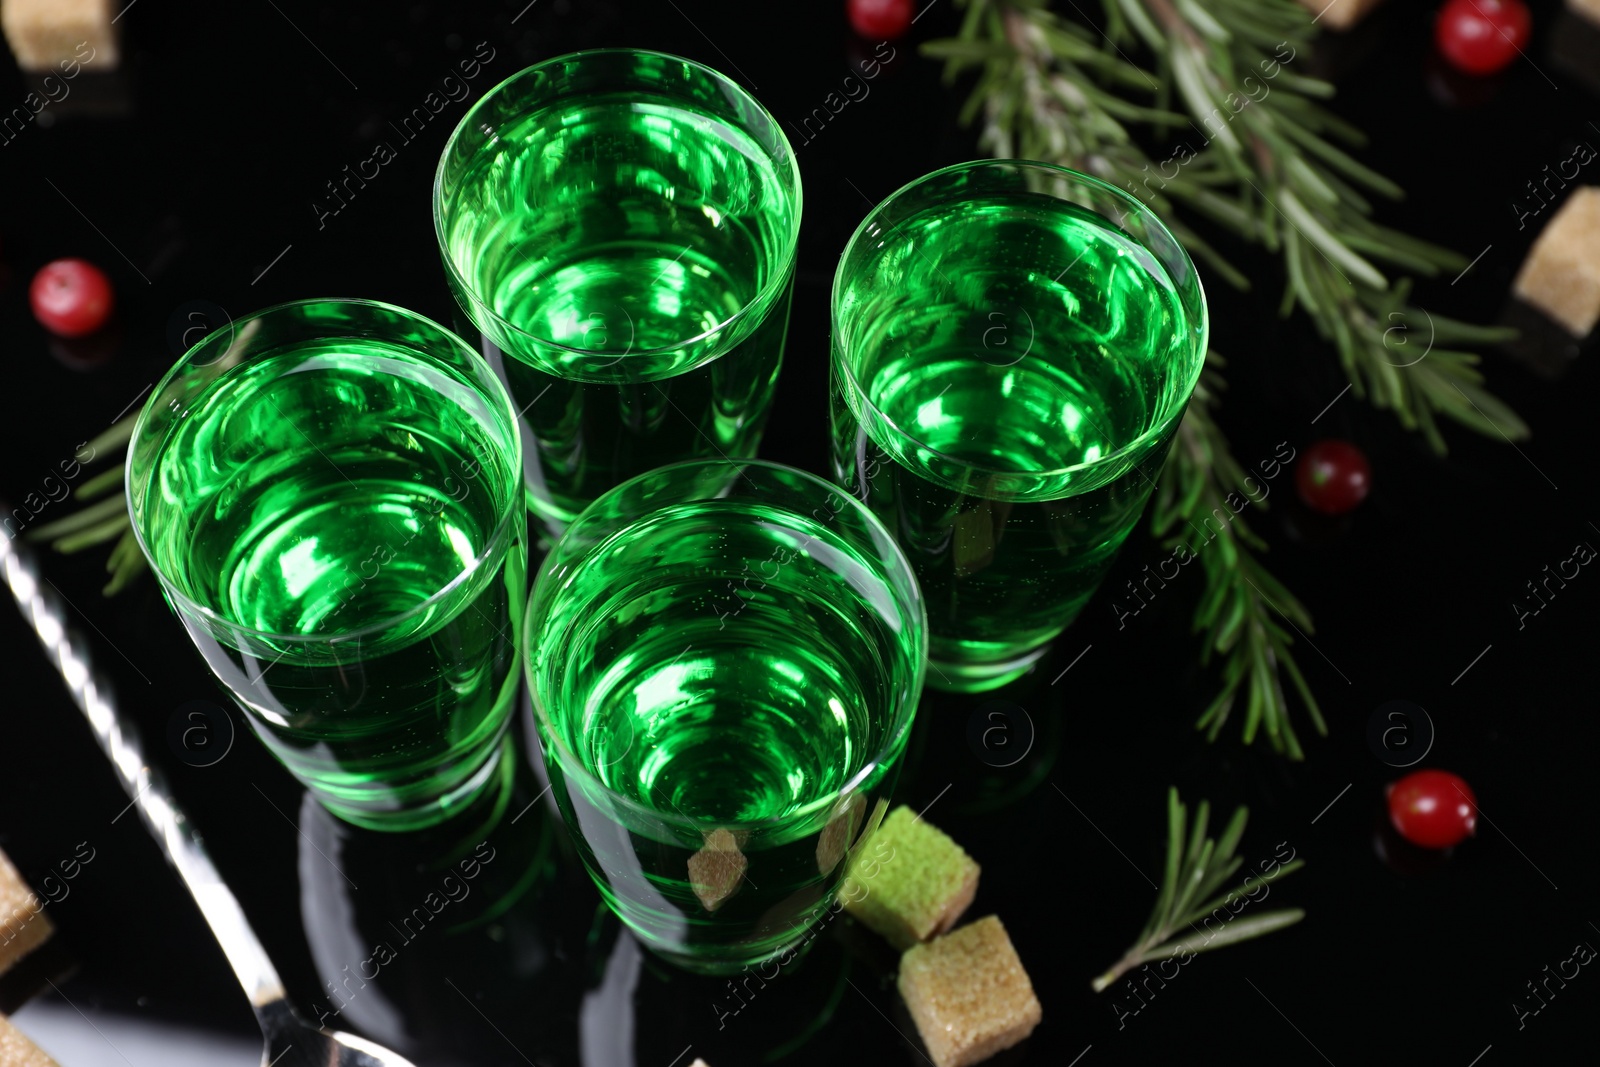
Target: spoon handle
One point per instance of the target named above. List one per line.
(40, 603)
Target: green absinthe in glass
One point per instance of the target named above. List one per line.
(1014, 345)
(330, 494)
(724, 660)
(621, 227)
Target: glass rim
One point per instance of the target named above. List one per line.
(492, 544)
(895, 736)
(1144, 439)
(768, 292)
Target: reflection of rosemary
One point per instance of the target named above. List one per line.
(1054, 89)
(1190, 914)
(105, 520)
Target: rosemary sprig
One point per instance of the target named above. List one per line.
(1191, 894)
(1298, 193)
(1236, 611)
(1054, 89)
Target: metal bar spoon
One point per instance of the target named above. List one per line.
(287, 1039)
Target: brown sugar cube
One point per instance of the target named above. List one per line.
(1561, 276)
(715, 871)
(44, 33)
(23, 925)
(17, 1051)
(968, 994)
(912, 883)
(1339, 14)
(1589, 9)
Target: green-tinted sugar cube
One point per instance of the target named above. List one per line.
(909, 882)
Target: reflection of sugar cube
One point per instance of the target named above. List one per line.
(17, 1051)
(715, 870)
(913, 882)
(969, 994)
(1561, 276)
(23, 925)
(977, 534)
(44, 33)
(1339, 14)
(836, 836)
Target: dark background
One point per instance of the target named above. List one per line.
(190, 170)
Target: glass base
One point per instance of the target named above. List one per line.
(969, 676)
(782, 957)
(496, 770)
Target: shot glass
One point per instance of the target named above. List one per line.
(724, 661)
(1014, 345)
(330, 494)
(620, 226)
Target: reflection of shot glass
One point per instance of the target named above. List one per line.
(330, 493)
(621, 227)
(724, 660)
(1013, 348)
